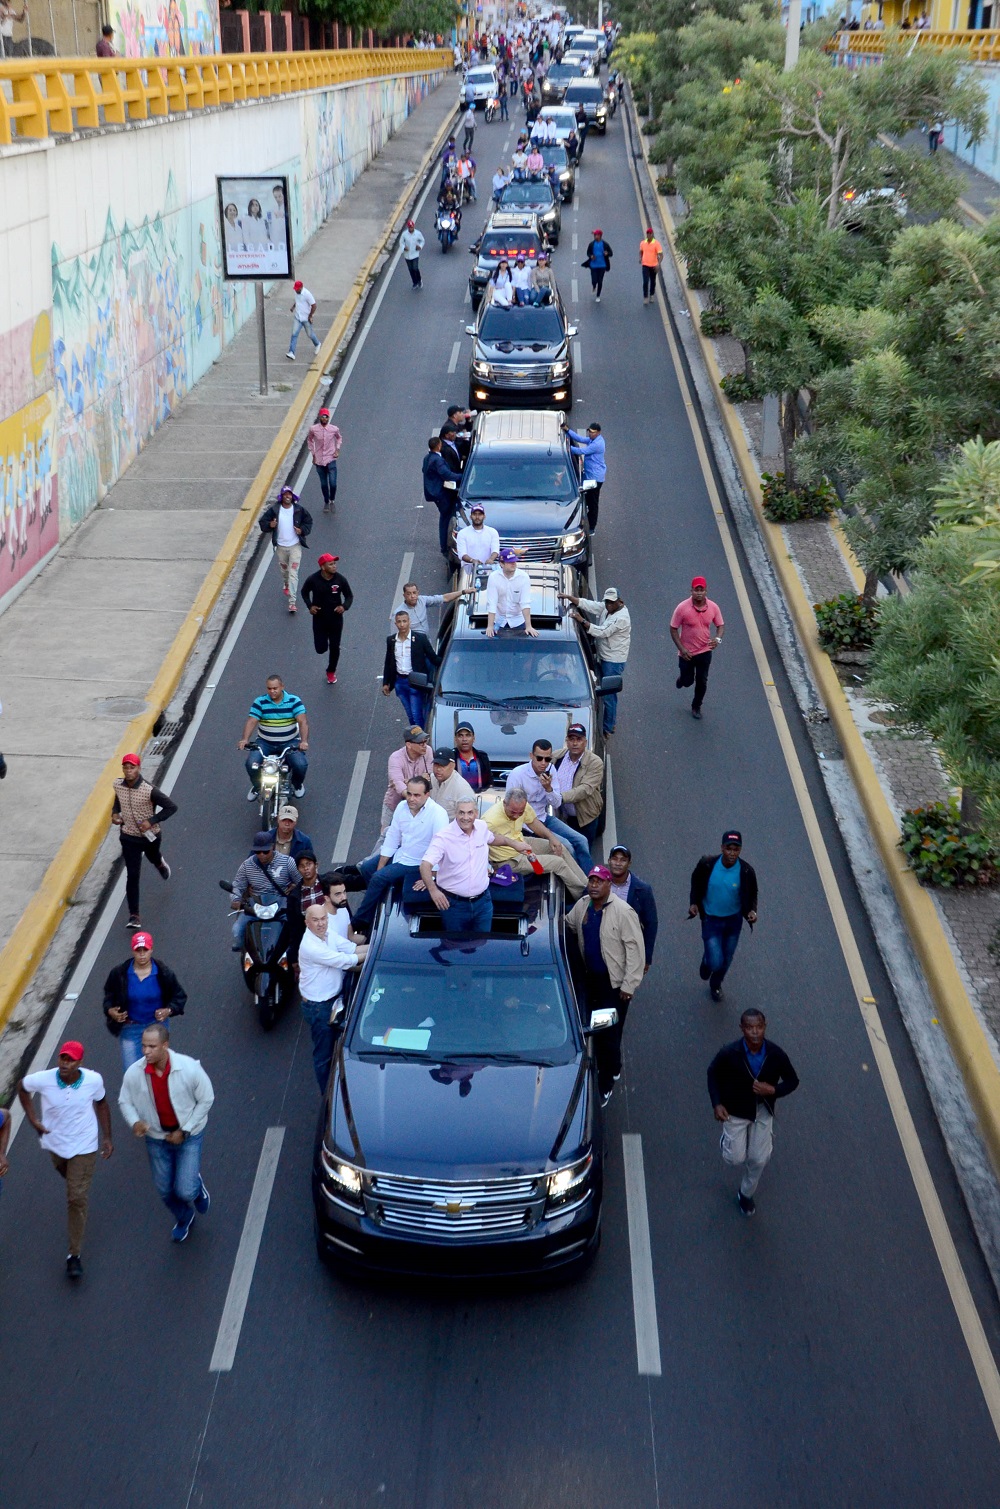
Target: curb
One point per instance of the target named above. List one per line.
(972, 1052)
(40, 920)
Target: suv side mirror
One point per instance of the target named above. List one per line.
(602, 1019)
(421, 682)
(470, 329)
(573, 330)
(606, 687)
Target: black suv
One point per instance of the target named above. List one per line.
(514, 690)
(557, 157)
(461, 1133)
(557, 80)
(536, 196)
(521, 354)
(506, 237)
(587, 96)
(521, 469)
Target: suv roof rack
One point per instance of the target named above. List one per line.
(546, 584)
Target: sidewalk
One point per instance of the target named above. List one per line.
(980, 195)
(83, 649)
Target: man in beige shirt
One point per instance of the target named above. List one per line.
(612, 959)
(448, 788)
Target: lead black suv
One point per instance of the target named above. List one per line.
(461, 1133)
(535, 195)
(588, 96)
(521, 355)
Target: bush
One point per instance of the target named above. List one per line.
(739, 388)
(940, 854)
(714, 321)
(658, 151)
(651, 126)
(695, 273)
(666, 184)
(783, 504)
(846, 622)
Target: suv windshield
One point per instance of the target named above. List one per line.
(526, 193)
(555, 155)
(509, 244)
(533, 478)
(584, 91)
(517, 670)
(562, 71)
(532, 324)
(455, 1009)
(479, 76)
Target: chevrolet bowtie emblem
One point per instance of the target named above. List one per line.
(454, 1207)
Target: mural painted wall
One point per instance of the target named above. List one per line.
(122, 306)
(165, 28)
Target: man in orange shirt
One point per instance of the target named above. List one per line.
(650, 256)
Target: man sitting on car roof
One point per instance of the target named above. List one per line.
(507, 821)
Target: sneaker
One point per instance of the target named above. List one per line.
(696, 713)
(326, 508)
(180, 1231)
(300, 791)
(678, 683)
(164, 869)
(203, 1201)
(292, 608)
(598, 298)
(252, 794)
(290, 357)
(74, 1268)
(715, 991)
(331, 678)
(285, 589)
(134, 924)
(746, 1204)
(605, 1097)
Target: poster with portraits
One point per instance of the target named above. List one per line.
(256, 234)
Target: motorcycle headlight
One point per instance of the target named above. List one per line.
(566, 1186)
(268, 780)
(265, 913)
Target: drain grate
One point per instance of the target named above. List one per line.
(165, 737)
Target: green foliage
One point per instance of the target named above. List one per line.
(784, 505)
(846, 622)
(739, 388)
(939, 852)
(414, 17)
(714, 321)
(666, 183)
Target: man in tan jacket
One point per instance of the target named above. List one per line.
(613, 962)
(579, 775)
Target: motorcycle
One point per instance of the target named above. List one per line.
(275, 786)
(492, 106)
(447, 228)
(267, 971)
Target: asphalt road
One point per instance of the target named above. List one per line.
(811, 1356)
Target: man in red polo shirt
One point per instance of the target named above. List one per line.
(166, 1097)
(696, 628)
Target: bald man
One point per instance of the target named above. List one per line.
(323, 957)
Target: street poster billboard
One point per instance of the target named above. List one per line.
(256, 234)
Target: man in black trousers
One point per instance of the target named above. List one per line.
(328, 596)
(745, 1080)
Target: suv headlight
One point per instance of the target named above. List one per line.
(573, 541)
(344, 1177)
(481, 369)
(568, 1185)
(565, 176)
(560, 369)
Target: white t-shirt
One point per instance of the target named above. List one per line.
(521, 277)
(479, 543)
(506, 598)
(286, 526)
(67, 1111)
(303, 304)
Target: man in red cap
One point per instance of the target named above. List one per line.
(324, 441)
(74, 1110)
(302, 315)
(137, 813)
(612, 962)
(696, 628)
(328, 596)
(598, 259)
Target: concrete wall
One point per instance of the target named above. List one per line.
(114, 303)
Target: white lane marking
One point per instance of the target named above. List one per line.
(453, 363)
(404, 577)
(467, 299)
(577, 357)
(575, 243)
(647, 1335)
(610, 835)
(234, 1309)
(349, 817)
(574, 291)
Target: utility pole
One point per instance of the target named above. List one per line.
(792, 34)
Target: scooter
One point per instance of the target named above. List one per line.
(267, 972)
(447, 229)
(275, 785)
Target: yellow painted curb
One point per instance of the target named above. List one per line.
(34, 932)
(965, 1034)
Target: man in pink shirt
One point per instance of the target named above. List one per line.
(460, 854)
(696, 628)
(324, 441)
(413, 759)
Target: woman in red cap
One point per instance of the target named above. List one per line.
(142, 990)
(324, 441)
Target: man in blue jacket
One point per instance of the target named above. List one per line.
(745, 1081)
(440, 488)
(638, 894)
(591, 448)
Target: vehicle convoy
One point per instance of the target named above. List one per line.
(267, 971)
(507, 236)
(516, 690)
(534, 195)
(522, 471)
(462, 1133)
(521, 353)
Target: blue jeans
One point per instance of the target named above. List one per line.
(720, 936)
(297, 327)
(176, 1171)
(576, 841)
(324, 1035)
(298, 763)
(468, 914)
(380, 883)
(130, 1042)
(327, 480)
(611, 668)
(412, 699)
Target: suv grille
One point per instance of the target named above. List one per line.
(521, 377)
(428, 1207)
(536, 548)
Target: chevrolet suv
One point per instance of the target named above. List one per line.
(587, 96)
(536, 196)
(521, 354)
(507, 236)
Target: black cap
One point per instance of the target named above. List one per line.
(732, 837)
(467, 727)
(442, 755)
(621, 849)
(577, 728)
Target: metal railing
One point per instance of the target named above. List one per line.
(42, 97)
(982, 46)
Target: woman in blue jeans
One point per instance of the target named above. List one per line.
(141, 991)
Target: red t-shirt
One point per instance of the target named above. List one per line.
(695, 624)
(161, 1098)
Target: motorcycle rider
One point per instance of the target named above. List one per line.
(280, 721)
(265, 870)
(448, 203)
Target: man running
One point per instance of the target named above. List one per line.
(328, 597)
(696, 628)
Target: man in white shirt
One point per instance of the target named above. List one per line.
(477, 544)
(500, 181)
(302, 315)
(448, 788)
(412, 242)
(324, 954)
(508, 599)
(460, 855)
(538, 779)
(74, 1109)
(414, 823)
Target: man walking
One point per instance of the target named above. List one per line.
(696, 628)
(723, 893)
(598, 259)
(324, 441)
(591, 447)
(745, 1080)
(612, 630)
(469, 129)
(290, 526)
(328, 596)
(303, 310)
(279, 719)
(288, 837)
(412, 242)
(165, 1098)
(650, 257)
(137, 812)
(74, 1110)
(637, 893)
(609, 940)
(140, 991)
(406, 652)
(323, 957)
(460, 855)
(537, 778)
(441, 489)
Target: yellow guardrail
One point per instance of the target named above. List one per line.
(982, 46)
(42, 97)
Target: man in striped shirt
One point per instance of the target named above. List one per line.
(280, 721)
